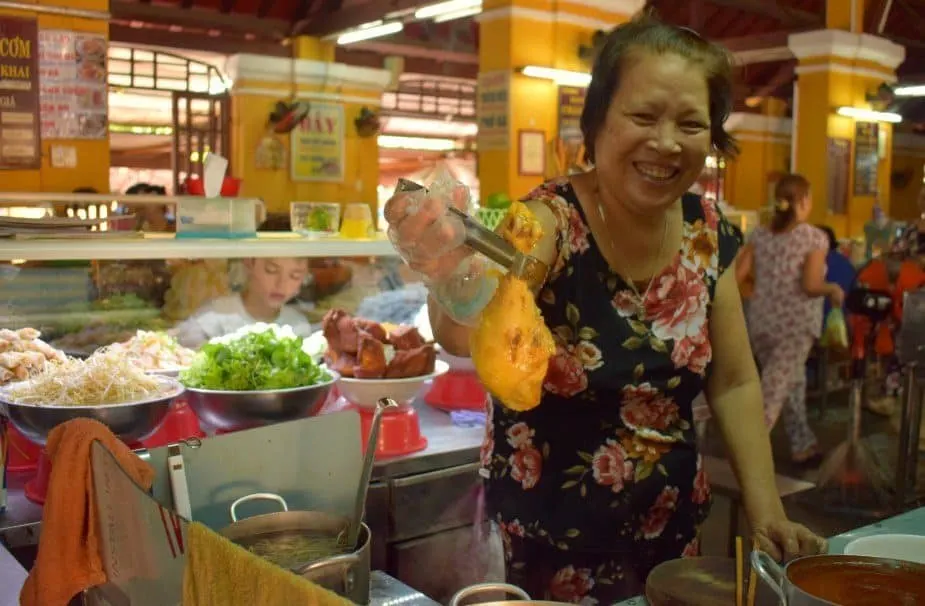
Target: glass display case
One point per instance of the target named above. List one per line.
(86, 284)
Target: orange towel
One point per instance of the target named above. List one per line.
(220, 573)
(69, 548)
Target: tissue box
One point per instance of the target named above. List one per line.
(217, 218)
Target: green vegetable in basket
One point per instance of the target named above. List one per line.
(256, 358)
(835, 333)
(498, 200)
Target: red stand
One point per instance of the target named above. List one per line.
(399, 430)
(457, 390)
(38, 486)
(181, 424)
(23, 455)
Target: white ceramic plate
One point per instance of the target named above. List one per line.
(907, 547)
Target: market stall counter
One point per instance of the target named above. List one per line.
(909, 523)
(420, 507)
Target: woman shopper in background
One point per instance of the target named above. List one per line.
(785, 310)
(602, 481)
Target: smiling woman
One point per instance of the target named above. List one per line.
(602, 481)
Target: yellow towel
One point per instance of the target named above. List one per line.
(220, 573)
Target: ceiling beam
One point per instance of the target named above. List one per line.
(785, 74)
(343, 20)
(196, 41)
(196, 17)
(771, 8)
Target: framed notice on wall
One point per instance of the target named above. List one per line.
(866, 158)
(19, 94)
(839, 165)
(532, 153)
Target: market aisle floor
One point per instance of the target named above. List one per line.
(831, 429)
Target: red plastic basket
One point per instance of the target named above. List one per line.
(230, 186)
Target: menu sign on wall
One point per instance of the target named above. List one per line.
(19, 94)
(73, 85)
(492, 109)
(866, 158)
(571, 104)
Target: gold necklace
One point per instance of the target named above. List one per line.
(640, 297)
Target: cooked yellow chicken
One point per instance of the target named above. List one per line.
(511, 345)
(520, 228)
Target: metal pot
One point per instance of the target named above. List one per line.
(347, 574)
(483, 588)
(802, 580)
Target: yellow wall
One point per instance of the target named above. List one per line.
(248, 126)
(761, 157)
(819, 95)
(92, 168)
(904, 201)
(508, 44)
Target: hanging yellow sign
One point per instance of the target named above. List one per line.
(317, 144)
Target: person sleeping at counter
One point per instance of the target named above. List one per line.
(269, 285)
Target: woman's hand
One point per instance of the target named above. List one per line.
(426, 235)
(785, 540)
(836, 295)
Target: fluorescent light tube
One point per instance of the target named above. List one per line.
(562, 77)
(869, 115)
(368, 33)
(416, 143)
(469, 12)
(441, 8)
(910, 91)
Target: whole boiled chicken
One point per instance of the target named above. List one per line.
(511, 345)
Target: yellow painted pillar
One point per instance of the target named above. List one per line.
(908, 166)
(764, 139)
(337, 93)
(840, 68)
(514, 34)
(92, 168)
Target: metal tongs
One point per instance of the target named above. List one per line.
(482, 240)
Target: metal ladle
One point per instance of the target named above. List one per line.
(359, 506)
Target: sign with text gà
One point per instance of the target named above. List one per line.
(19, 94)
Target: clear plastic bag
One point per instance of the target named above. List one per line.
(835, 331)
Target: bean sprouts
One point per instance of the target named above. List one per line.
(104, 378)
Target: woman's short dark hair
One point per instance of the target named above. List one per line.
(646, 33)
(789, 191)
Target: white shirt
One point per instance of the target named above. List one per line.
(225, 315)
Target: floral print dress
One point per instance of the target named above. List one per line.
(602, 481)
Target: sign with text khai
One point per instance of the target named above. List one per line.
(19, 94)
(317, 144)
(493, 110)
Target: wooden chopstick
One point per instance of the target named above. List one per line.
(752, 576)
(739, 571)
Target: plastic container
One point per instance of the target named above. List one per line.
(358, 221)
(315, 219)
(217, 217)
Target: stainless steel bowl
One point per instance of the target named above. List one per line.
(132, 421)
(234, 410)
